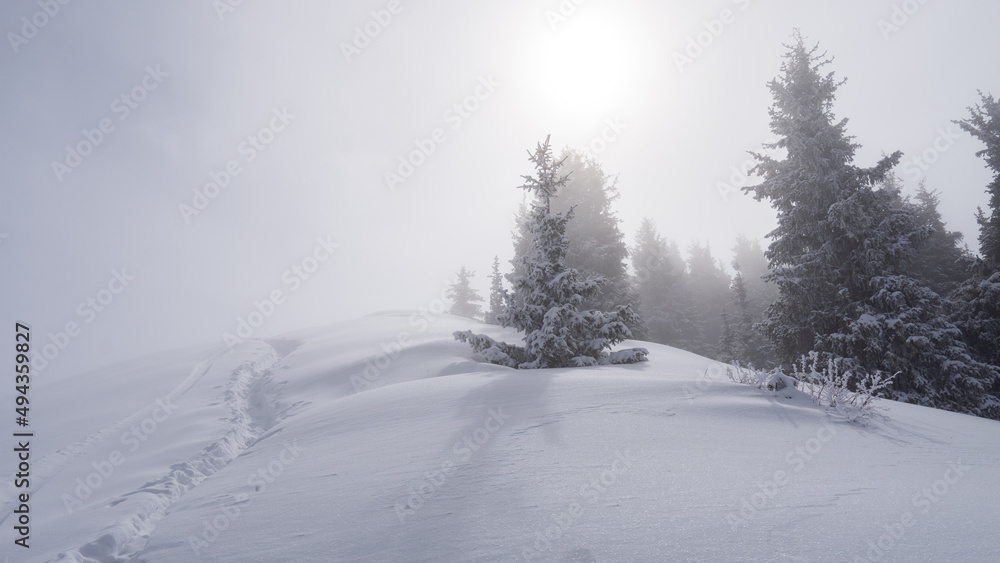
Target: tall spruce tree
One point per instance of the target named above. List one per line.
(840, 254)
(546, 299)
(978, 313)
(984, 124)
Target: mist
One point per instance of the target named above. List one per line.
(172, 169)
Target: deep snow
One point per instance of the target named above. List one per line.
(283, 450)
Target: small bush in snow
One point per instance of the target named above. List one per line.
(850, 395)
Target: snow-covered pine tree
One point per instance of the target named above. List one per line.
(556, 332)
(840, 254)
(984, 124)
(464, 297)
(497, 294)
(978, 313)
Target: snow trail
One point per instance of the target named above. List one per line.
(53, 463)
(253, 406)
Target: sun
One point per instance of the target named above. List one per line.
(588, 66)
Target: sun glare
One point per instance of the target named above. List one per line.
(588, 66)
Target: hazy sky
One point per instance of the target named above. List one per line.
(310, 104)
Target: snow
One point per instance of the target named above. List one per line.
(270, 453)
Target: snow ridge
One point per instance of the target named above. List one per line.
(254, 408)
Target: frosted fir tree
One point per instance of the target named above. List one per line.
(464, 298)
(497, 294)
(546, 298)
(984, 124)
(840, 256)
(978, 299)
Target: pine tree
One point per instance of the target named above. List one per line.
(941, 262)
(841, 252)
(803, 188)
(464, 297)
(750, 261)
(521, 238)
(654, 277)
(596, 244)
(741, 341)
(661, 288)
(709, 289)
(984, 124)
(497, 294)
(978, 312)
(556, 332)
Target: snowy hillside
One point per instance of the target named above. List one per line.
(338, 444)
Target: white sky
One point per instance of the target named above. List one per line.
(324, 173)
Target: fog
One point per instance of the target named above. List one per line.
(307, 115)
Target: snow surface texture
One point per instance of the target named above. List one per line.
(339, 444)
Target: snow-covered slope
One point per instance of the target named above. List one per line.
(338, 444)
